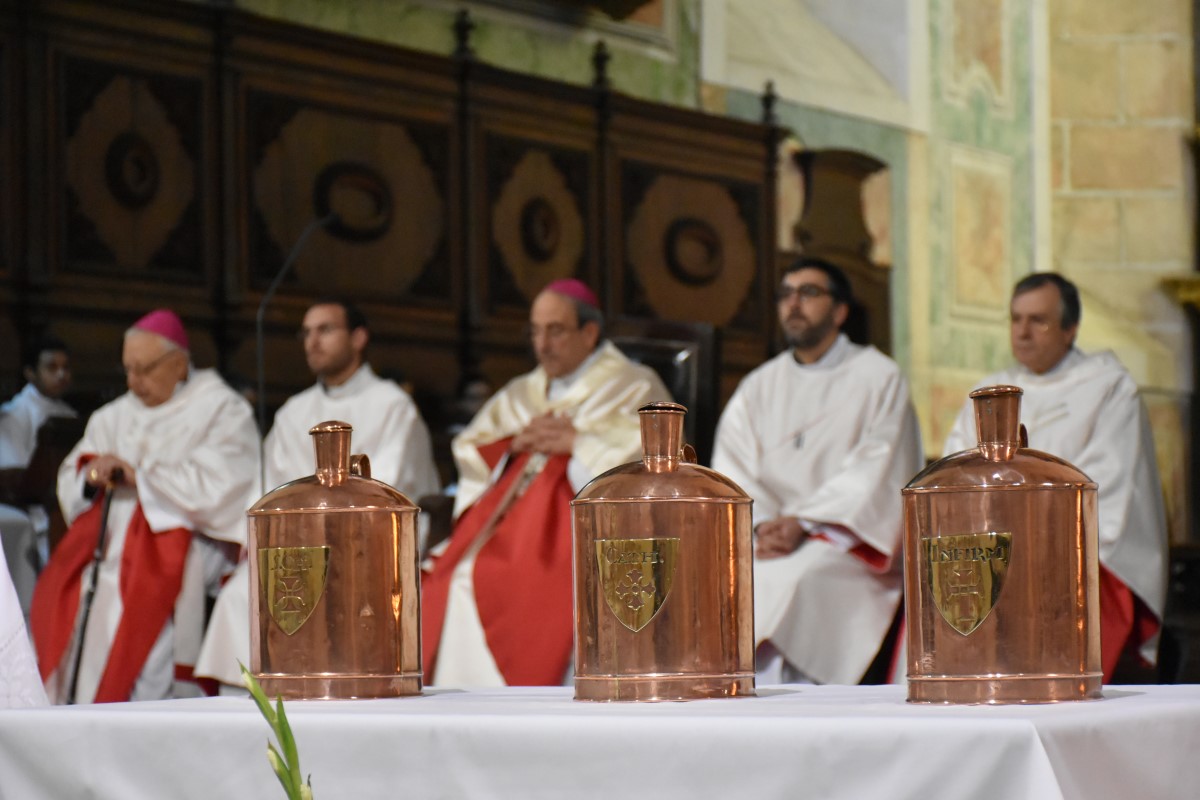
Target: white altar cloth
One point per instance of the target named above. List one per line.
(790, 742)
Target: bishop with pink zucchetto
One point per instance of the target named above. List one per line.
(167, 470)
(496, 597)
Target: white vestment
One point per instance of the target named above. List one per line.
(832, 444)
(197, 463)
(1087, 411)
(20, 684)
(388, 429)
(602, 397)
(20, 419)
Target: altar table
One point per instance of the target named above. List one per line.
(866, 743)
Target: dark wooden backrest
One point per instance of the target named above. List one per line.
(687, 358)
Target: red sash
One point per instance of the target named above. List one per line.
(522, 577)
(1126, 623)
(151, 577)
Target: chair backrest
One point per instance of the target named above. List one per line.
(686, 357)
(55, 439)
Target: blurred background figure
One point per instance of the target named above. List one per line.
(27, 493)
(161, 480)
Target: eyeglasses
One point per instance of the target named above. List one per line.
(555, 330)
(806, 291)
(142, 370)
(324, 329)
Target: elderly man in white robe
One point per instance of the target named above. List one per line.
(1086, 409)
(496, 600)
(23, 526)
(172, 464)
(388, 429)
(822, 437)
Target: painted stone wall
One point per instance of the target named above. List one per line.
(655, 51)
(1121, 109)
(979, 201)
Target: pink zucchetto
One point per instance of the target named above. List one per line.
(165, 323)
(575, 289)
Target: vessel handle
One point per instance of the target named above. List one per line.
(360, 465)
(688, 454)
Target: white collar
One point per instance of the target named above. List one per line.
(352, 385)
(557, 387)
(835, 355)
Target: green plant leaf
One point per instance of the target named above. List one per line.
(260, 697)
(287, 765)
(281, 772)
(288, 743)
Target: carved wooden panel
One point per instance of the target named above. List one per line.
(174, 153)
(384, 179)
(132, 171)
(689, 225)
(690, 253)
(532, 202)
(538, 225)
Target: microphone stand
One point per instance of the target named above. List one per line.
(258, 337)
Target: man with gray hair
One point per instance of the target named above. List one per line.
(1086, 409)
(161, 479)
(496, 598)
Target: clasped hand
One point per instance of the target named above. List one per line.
(101, 470)
(778, 537)
(548, 433)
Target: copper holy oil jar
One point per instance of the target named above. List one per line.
(1001, 571)
(334, 594)
(664, 604)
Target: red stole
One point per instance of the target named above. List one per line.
(522, 575)
(151, 577)
(1126, 623)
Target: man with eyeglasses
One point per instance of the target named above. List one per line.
(823, 437)
(1087, 409)
(388, 429)
(178, 453)
(496, 599)
(23, 525)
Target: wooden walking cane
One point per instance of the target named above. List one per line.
(97, 558)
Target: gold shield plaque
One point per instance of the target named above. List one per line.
(291, 581)
(966, 574)
(636, 575)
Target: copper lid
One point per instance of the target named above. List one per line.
(664, 473)
(342, 482)
(1002, 458)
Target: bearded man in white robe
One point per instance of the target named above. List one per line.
(22, 524)
(496, 600)
(822, 437)
(388, 429)
(178, 453)
(1086, 409)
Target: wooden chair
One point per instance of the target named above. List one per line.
(55, 440)
(686, 357)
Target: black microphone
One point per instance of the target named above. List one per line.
(330, 218)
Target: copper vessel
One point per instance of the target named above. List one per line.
(664, 604)
(335, 599)
(1001, 570)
